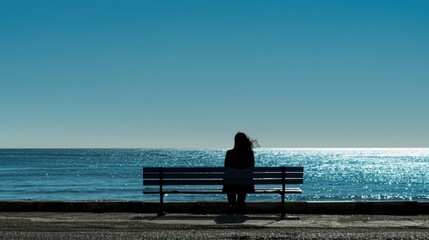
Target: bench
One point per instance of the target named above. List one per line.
(178, 180)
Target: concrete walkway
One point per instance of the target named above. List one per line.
(55, 225)
(214, 221)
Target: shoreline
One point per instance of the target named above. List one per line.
(202, 207)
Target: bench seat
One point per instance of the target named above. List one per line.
(219, 191)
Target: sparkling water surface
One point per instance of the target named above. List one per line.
(116, 174)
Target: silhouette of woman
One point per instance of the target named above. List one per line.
(241, 157)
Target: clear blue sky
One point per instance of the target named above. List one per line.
(106, 73)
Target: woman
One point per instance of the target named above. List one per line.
(239, 158)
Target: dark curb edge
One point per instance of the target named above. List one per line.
(379, 208)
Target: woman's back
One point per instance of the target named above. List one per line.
(239, 159)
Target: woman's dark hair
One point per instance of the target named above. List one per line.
(242, 141)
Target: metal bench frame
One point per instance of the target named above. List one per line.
(163, 177)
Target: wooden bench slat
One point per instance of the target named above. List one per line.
(278, 169)
(184, 169)
(219, 191)
(219, 181)
(219, 175)
(217, 169)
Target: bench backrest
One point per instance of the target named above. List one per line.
(156, 176)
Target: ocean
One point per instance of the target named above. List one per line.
(392, 174)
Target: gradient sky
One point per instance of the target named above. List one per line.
(191, 74)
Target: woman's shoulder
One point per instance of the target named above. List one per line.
(232, 151)
(229, 152)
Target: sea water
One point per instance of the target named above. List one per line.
(116, 174)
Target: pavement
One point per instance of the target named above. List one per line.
(87, 225)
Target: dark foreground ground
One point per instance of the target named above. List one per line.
(61, 225)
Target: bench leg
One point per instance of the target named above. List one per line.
(283, 206)
(283, 191)
(161, 205)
